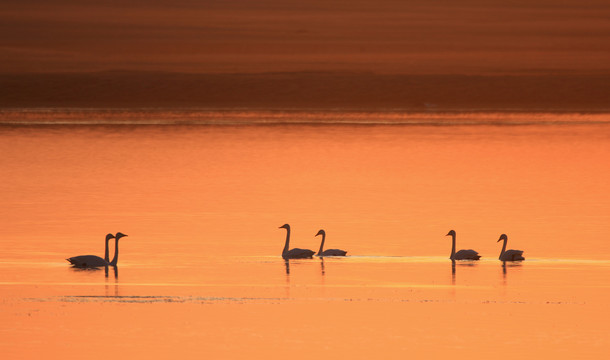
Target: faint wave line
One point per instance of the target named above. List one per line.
(236, 117)
(221, 299)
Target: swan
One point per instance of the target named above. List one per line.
(509, 255)
(115, 259)
(91, 260)
(294, 253)
(462, 254)
(329, 252)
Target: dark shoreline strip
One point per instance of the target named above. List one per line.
(308, 90)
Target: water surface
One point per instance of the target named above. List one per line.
(200, 272)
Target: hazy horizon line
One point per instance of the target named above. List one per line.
(252, 116)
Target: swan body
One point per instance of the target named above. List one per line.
(466, 255)
(462, 254)
(329, 252)
(91, 261)
(87, 261)
(509, 255)
(295, 253)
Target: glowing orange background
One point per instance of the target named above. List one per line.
(199, 127)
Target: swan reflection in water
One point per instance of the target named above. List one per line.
(115, 270)
(287, 266)
(322, 265)
(511, 264)
(460, 264)
(452, 272)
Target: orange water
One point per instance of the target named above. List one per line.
(200, 272)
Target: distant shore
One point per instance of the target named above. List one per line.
(308, 90)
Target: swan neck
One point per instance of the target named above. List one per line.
(106, 252)
(503, 248)
(115, 259)
(287, 245)
(322, 244)
(452, 247)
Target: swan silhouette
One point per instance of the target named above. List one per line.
(329, 252)
(509, 255)
(115, 259)
(92, 261)
(462, 254)
(295, 253)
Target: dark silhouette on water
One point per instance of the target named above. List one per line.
(287, 264)
(509, 264)
(461, 264)
(462, 254)
(115, 259)
(329, 252)
(452, 272)
(114, 268)
(322, 265)
(509, 255)
(91, 261)
(295, 253)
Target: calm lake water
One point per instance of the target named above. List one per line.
(201, 196)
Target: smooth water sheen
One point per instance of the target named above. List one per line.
(200, 274)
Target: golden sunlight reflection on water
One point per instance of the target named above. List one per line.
(235, 306)
(200, 273)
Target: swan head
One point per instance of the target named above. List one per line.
(451, 233)
(119, 235)
(321, 232)
(109, 236)
(502, 237)
(285, 226)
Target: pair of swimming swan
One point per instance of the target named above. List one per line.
(505, 255)
(297, 253)
(93, 261)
